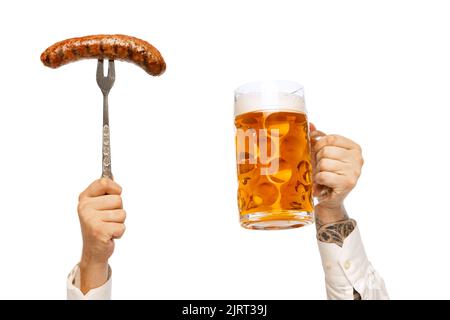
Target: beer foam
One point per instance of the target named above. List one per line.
(249, 102)
(269, 95)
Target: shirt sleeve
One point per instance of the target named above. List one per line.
(74, 292)
(348, 268)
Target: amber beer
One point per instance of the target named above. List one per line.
(273, 156)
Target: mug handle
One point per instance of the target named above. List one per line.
(324, 190)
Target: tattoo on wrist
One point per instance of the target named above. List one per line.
(342, 216)
(335, 232)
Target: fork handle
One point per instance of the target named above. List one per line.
(106, 153)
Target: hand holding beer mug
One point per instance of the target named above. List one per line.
(273, 156)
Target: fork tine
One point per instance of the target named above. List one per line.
(111, 70)
(99, 69)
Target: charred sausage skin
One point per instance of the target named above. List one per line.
(102, 46)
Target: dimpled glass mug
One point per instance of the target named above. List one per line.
(273, 156)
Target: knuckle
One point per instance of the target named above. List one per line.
(331, 139)
(106, 183)
(350, 182)
(361, 161)
(358, 162)
(87, 221)
(103, 182)
(81, 207)
(121, 231)
(97, 231)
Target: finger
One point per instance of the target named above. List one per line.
(335, 153)
(106, 202)
(329, 179)
(118, 215)
(335, 140)
(115, 230)
(331, 165)
(316, 135)
(312, 127)
(100, 187)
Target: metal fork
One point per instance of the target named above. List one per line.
(105, 84)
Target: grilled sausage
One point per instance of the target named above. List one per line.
(112, 47)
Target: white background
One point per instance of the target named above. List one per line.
(375, 71)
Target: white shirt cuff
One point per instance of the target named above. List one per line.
(348, 268)
(74, 292)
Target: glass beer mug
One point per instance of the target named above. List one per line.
(273, 156)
